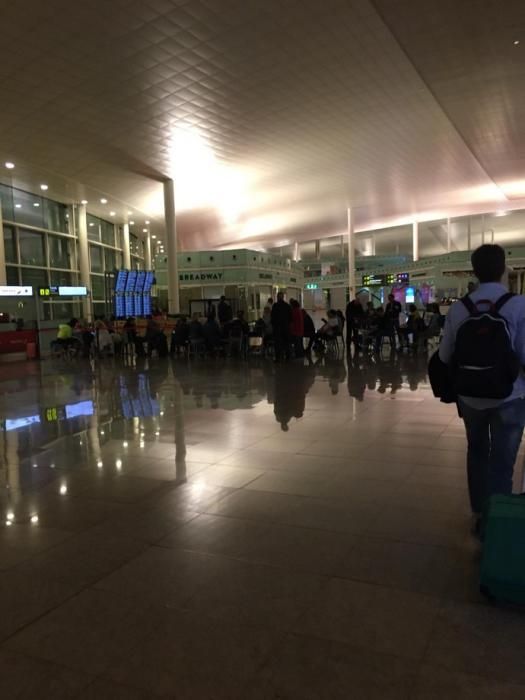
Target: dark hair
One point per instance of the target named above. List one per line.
(488, 263)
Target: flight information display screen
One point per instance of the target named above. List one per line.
(129, 305)
(140, 281)
(120, 309)
(131, 281)
(147, 305)
(148, 281)
(139, 305)
(120, 280)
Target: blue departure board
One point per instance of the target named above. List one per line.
(131, 281)
(120, 309)
(148, 282)
(139, 305)
(147, 305)
(120, 280)
(141, 279)
(129, 304)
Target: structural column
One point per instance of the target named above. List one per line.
(147, 252)
(469, 234)
(415, 241)
(449, 236)
(171, 240)
(318, 250)
(83, 258)
(296, 252)
(126, 253)
(351, 253)
(3, 271)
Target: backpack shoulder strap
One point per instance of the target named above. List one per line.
(469, 305)
(502, 301)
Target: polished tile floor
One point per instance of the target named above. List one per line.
(235, 531)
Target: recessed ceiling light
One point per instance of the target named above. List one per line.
(18, 206)
(130, 213)
(144, 230)
(517, 41)
(131, 223)
(36, 204)
(44, 187)
(147, 222)
(84, 201)
(9, 165)
(154, 236)
(91, 224)
(112, 213)
(103, 200)
(34, 518)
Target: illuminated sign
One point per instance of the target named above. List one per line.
(398, 278)
(410, 296)
(311, 285)
(15, 291)
(72, 291)
(373, 280)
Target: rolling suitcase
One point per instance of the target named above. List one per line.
(502, 576)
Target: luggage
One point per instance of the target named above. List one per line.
(503, 561)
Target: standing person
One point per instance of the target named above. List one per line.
(297, 328)
(392, 312)
(308, 330)
(224, 311)
(484, 344)
(281, 320)
(355, 315)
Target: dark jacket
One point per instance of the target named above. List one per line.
(281, 316)
(355, 313)
(224, 311)
(309, 328)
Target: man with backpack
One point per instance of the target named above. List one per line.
(484, 347)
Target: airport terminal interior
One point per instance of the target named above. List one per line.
(200, 500)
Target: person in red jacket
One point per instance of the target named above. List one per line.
(297, 328)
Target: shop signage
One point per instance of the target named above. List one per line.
(55, 290)
(399, 278)
(15, 291)
(311, 285)
(200, 276)
(373, 280)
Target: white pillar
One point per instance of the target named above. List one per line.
(469, 234)
(147, 252)
(415, 241)
(3, 271)
(318, 250)
(351, 253)
(296, 252)
(449, 236)
(126, 254)
(83, 258)
(373, 245)
(342, 246)
(171, 240)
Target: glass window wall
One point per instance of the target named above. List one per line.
(59, 252)
(95, 255)
(11, 255)
(31, 248)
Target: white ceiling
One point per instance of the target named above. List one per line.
(272, 116)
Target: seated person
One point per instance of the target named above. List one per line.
(195, 333)
(329, 329)
(238, 326)
(104, 341)
(179, 336)
(155, 338)
(65, 337)
(435, 323)
(211, 333)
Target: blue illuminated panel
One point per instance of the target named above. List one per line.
(131, 281)
(120, 280)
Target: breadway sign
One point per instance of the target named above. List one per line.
(200, 276)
